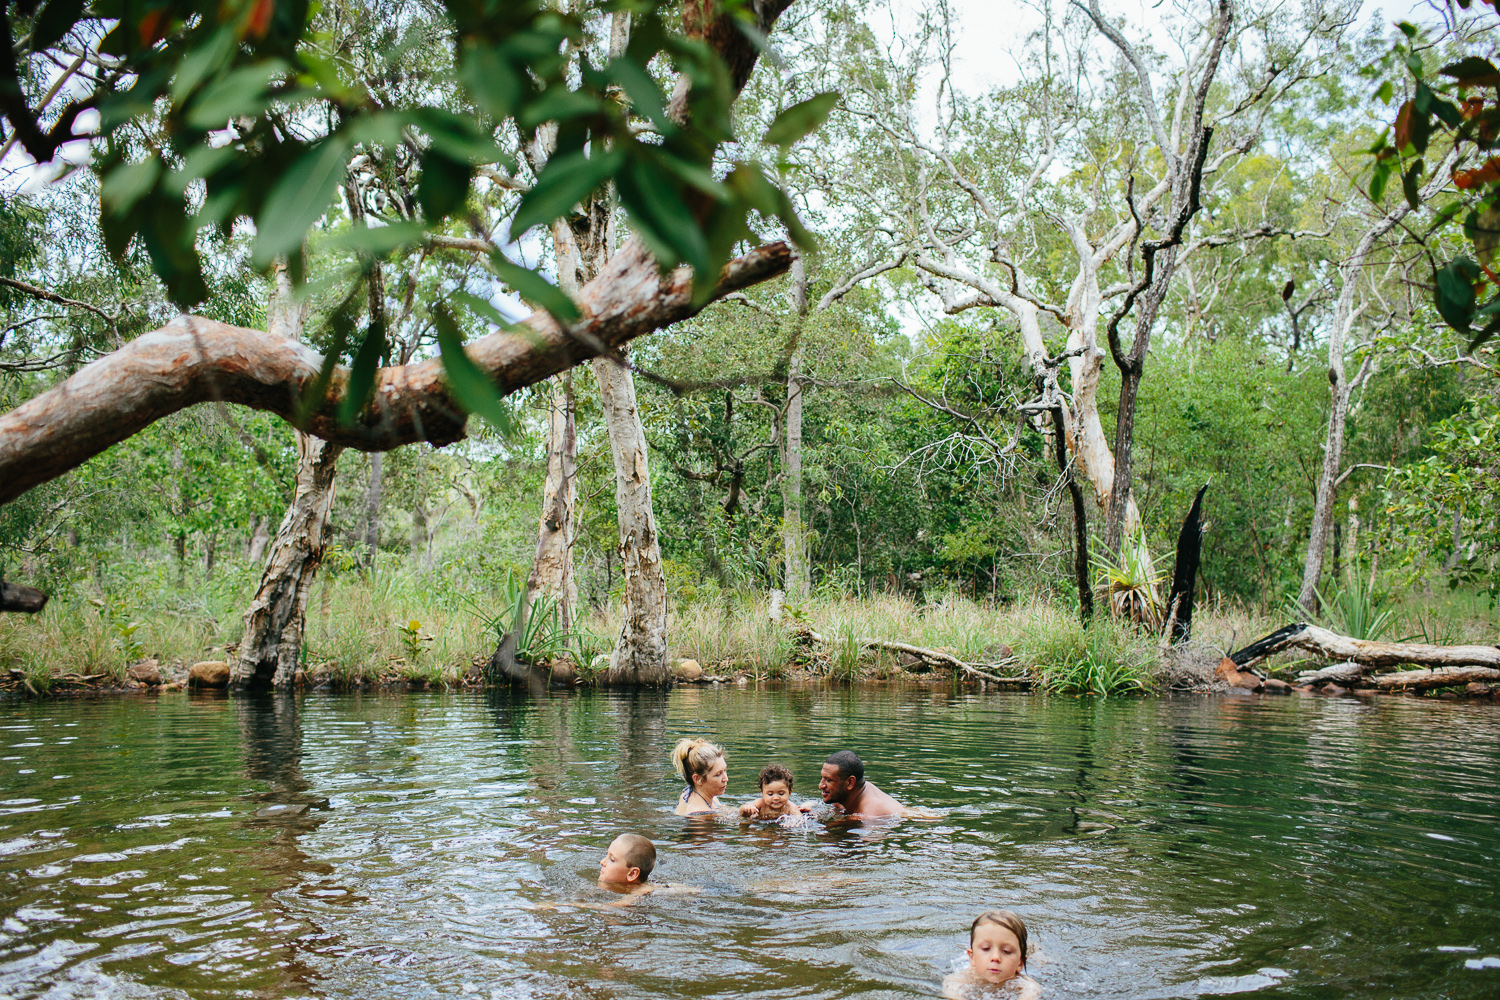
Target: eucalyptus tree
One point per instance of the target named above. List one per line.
(220, 112)
(1077, 186)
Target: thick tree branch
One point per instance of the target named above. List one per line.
(194, 360)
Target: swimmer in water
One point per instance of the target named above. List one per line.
(702, 766)
(843, 786)
(627, 865)
(997, 960)
(775, 800)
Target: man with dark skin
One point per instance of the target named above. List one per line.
(843, 786)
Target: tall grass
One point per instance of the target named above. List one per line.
(353, 630)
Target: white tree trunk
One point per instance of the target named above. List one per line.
(640, 655)
(552, 568)
(795, 576)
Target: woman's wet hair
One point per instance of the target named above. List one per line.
(775, 772)
(1005, 919)
(692, 757)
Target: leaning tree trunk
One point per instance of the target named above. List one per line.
(272, 644)
(640, 655)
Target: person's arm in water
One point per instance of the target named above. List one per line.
(752, 809)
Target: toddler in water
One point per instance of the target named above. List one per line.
(997, 958)
(775, 800)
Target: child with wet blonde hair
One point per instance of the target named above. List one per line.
(703, 767)
(997, 958)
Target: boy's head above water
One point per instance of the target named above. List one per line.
(997, 946)
(628, 861)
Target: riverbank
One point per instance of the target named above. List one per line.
(398, 631)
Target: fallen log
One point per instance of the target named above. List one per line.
(1332, 646)
(1422, 680)
(1339, 673)
(16, 597)
(939, 658)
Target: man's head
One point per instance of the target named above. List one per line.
(628, 861)
(842, 775)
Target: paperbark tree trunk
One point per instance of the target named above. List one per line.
(552, 568)
(795, 577)
(370, 529)
(640, 655)
(274, 623)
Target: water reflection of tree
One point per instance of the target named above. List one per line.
(271, 735)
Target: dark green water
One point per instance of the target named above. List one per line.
(1163, 848)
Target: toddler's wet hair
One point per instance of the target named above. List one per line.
(775, 772)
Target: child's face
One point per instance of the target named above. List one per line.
(776, 794)
(612, 867)
(995, 954)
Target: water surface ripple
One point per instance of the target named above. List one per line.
(446, 844)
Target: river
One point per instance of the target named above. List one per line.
(446, 844)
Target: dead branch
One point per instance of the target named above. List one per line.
(1367, 654)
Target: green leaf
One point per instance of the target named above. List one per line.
(239, 94)
(198, 164)
(490, 77)
(1409, 181)
(565, 181)
(1414, 63)
(127, 184)
(1385, 92)
(473, 389)
(483, 309)
(55, 21)
(444, 186)
(1455, 293)
(299, 199)
(376, 240)
(645, 97)
(362, 375)
(1378, 180)
(801, 119)
(383, 128)
(530, 285)
(201, 60)
(1473, 71)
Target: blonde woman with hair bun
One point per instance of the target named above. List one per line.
(701, 764)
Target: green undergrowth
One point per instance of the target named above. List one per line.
(399, 625)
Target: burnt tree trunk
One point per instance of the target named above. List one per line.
(16, 597)
(1179, 627)
(1080, 520)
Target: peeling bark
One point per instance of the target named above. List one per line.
(552, 568)
(195, 360)
(639, 658)
(272, 644)
(274, 623)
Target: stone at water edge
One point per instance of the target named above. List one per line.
(209, 673)
(562, 672)
(687, 670)
(1280, 687)
(147, 672)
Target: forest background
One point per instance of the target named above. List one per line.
(869, 435)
